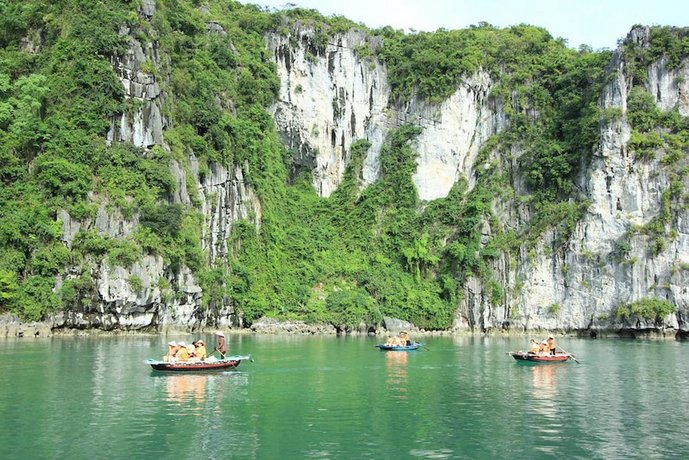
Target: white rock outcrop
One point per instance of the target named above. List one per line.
(453, 133)
(331, 99)
(143, 124)
(328, 99)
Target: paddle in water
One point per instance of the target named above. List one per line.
(570, 354)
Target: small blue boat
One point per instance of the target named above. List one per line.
(412, 346)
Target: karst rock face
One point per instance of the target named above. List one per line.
(331, 96)
(589, 280)
(160, 298)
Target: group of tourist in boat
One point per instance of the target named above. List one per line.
(194, 351)
(545, 347)
(400, 340)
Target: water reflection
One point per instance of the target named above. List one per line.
(543, 380)
(545, 405)
(467, 400)
(397, 372)
(186, 387)
(197, 393)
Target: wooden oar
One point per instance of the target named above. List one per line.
(570, 354)
(222, 356)
(420, 345)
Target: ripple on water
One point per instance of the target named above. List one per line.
(431, 453)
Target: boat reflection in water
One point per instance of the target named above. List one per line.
(397, 373)
(545, 404)
(199, 392)
(543, 379)
(186, 387)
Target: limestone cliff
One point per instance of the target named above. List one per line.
(579, 288)
(332, 97)
(329, 99)
(159, 299)
(334, 94)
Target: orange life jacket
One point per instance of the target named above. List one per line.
(551, 344)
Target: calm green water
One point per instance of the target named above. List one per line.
(327, 397)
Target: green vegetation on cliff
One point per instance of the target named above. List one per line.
(351, 258)
(657, 133)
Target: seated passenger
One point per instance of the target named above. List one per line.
(533, 346)
(183, 353)
(543, 348)
(191, 349)
(201, 352)
(390, 341)
(171, 351)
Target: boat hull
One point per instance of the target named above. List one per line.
(411, 347)
(230, 362)
(535, 358)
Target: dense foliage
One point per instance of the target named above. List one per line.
(645, 309)
(351, 258)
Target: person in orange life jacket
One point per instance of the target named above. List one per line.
(171, 352)
(183, 353)
(201, 352)
(543, 348)
(191, 349)
(551, 344)
(533, 346)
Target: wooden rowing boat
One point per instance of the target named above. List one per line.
(537, 358)
(229, 362)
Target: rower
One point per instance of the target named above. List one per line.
(551, 344)
(220, 347)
